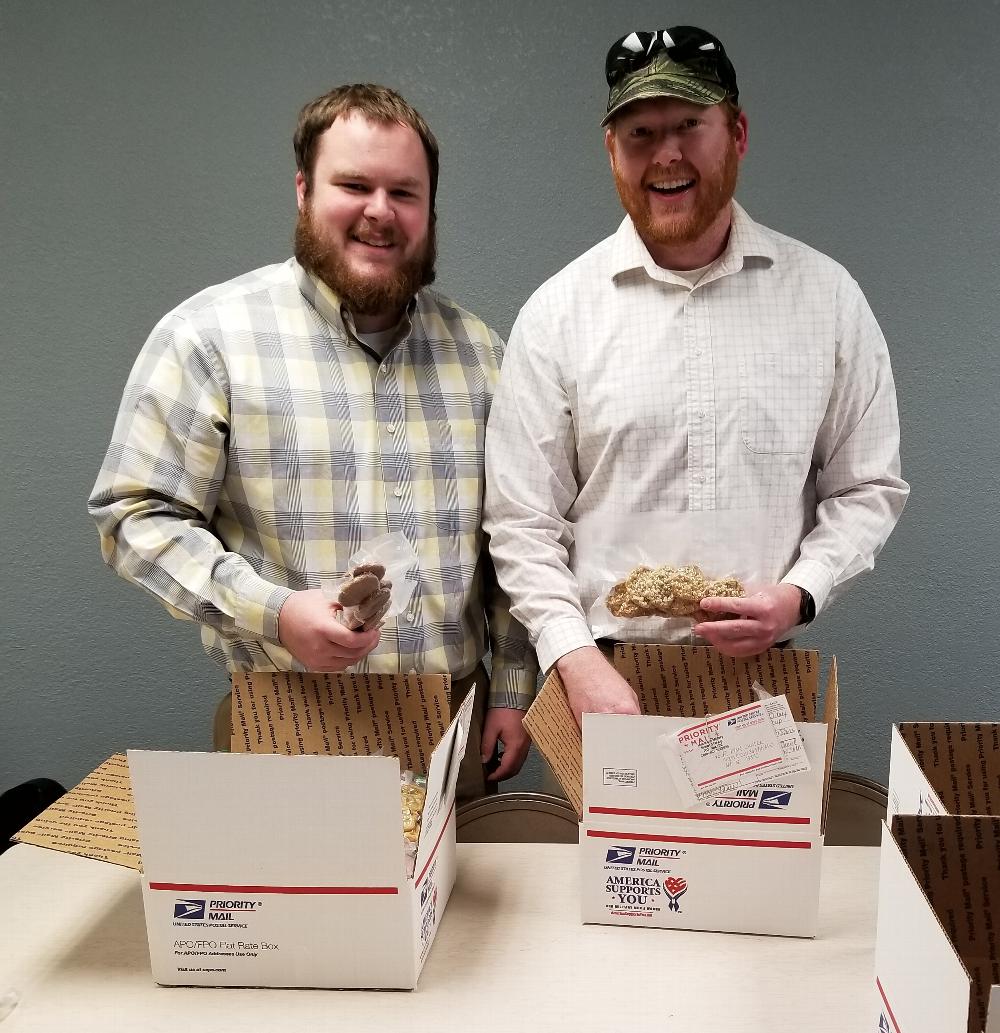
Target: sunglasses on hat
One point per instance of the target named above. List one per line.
(701, 53)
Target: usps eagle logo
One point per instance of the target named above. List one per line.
(674, 888)
(194, 910)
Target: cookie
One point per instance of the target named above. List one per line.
(357, 589)
(376, 618)
(369, 568)
(370, 606)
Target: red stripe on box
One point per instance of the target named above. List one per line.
(192, 887)
(776, 844)
(762, 819)
(729, 774)
(420, 877)
(885, 1001)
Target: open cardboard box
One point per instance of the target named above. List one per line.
(937, 952)
(283, 865)
(745, 862)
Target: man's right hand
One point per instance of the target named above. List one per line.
(593, 686)
(308, 629)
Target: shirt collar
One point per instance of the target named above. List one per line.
(332, 310)
(746, 240)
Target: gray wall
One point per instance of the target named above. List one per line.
(146, 154)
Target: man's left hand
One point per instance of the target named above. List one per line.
(759, 620)
(504, 724)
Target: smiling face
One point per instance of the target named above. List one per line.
(365, 226)
(675, 166)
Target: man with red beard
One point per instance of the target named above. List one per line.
(274, 424)
(697, 367)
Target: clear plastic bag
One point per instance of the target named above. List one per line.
(610, 547)
(393, 553)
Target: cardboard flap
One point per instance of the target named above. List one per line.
(831, 715)
(241, 819)
(341, 714)
(956, 861)
(694, 681)
(442, 779)
(961, 762)
(553, 729)
(94, 819)
(910, 792)
(921, 979)
(993, 1014)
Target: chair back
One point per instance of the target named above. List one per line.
(222, 724)
(856, 810)
(517, 818)
(24, 803)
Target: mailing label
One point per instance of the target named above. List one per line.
(742, 747)
(621, 777)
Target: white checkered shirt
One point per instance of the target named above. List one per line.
(765, 388)
(258, 445)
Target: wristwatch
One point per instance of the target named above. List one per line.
(807, 608)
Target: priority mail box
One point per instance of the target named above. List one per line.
(747, 861)
(937, 957)
(284, 865)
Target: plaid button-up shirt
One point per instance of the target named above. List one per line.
(258, 445)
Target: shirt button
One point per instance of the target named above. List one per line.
(409, 618)
(701, 414)
(391, 428)
(384, 368)
(398, 492)
(697, 353)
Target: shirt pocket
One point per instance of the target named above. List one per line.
(782, 401)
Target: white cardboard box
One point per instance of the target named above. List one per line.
(937, 956)
(745, 862)
(284, 870)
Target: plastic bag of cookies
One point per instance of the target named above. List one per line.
(375, 587)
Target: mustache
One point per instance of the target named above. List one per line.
(366, 231)
(657, 172)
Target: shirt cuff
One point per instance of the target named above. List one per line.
(513, 687)
(257, 607)
(562, 637)
(814, 578)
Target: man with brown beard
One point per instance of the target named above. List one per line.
(275, 423)
(695, 363)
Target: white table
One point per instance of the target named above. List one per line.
(511, 955)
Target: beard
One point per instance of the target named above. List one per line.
(715, 190)
(364, 293)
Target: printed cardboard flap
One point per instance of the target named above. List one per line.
(961, 762)
(287, 713)
(684, 681)
(956, 862)
(696, 681)
(95, 819)
(359, 715)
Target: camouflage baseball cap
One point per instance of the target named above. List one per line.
(683, 62)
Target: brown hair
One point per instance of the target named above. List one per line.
(377, 104)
